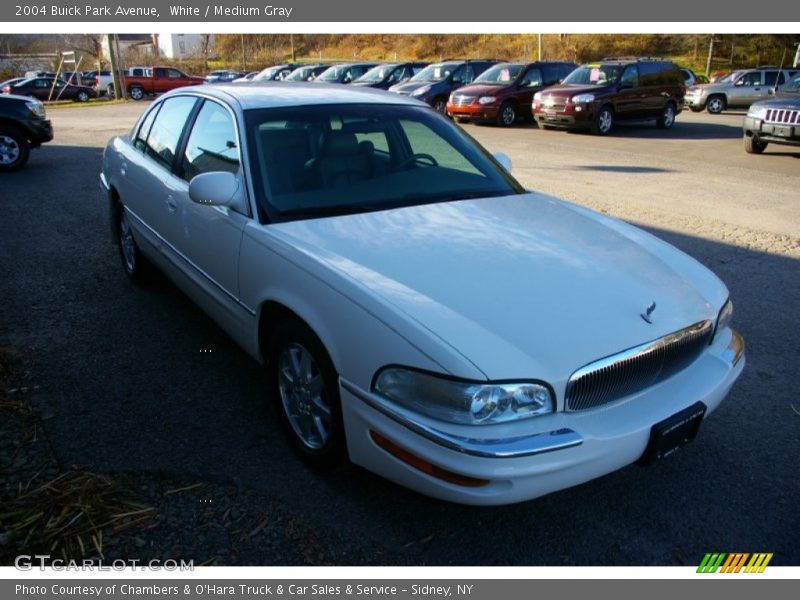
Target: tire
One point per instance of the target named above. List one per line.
(303, 384)
(110, 91)
(440, 106)
(752, 145)
(547, 127)
(667, 118)
(604, 121)
(136, 266)
(716, 104)
(696, 108)
(14, 149)
(507, 115)
(136, 93)
(82, 96)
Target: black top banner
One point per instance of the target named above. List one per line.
(342, 11)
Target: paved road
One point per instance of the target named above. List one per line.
(123, 377)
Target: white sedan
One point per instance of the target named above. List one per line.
(416, 309)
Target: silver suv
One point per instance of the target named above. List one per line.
(749, 86)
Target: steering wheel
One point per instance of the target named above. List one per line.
(417, 157)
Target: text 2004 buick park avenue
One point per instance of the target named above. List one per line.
(416, 309)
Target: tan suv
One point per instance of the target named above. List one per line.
(748, 87)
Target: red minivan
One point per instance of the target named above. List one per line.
(504, 92)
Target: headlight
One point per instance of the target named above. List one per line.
(757, 112)
(582, 98)
(463, 402)
(423, 90)
(487, 100)
(725, 316)
(36, 107)
(537, 96)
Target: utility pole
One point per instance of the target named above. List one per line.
(244, 57)
(540, 47)
(710, 55)
(112, 59)
(291, 41)
(797, 56)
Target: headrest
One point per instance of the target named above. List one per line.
(339, 143)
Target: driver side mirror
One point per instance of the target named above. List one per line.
(739, 82)
(218, 188)
(503, 159)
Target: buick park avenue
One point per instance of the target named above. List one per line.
(416, 309)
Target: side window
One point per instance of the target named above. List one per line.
(751, 79)
(140, 137)
(770, 77)
(376, 138)
(162, 143)
(460, 75)
(397, 74)
(175, 74)
(349, 75)
(533, 78)
(630, 76)
(212, 145)
(160, 72)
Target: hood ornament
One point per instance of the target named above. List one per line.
(648, 311)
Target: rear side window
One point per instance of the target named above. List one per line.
(652, 74)
(770, 77)
(212, 145)
(162, 142)
(630, 76)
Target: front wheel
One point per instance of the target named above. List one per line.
(82, 96)
(604, 122)
(667, 118)
(715, 105)
(753, 145)
(14, 149)
(304, 385)
(440, 106)
(507, 114)
(136, 266)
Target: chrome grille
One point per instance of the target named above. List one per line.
(633, 370)
(462, 100)
(782, 116)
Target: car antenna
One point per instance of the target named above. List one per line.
(780, 70)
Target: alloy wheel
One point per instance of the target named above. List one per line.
(509, 115)
(9, 150)
(127, 243)
(302, 392)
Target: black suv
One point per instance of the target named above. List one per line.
(435, 82)
(22, 126)
(597, 95)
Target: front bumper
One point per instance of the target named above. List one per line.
(38, 131)
(474, 111)
(527, 459)
(697, 101)
(788, 135)
(568, 116)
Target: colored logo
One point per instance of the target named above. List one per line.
(735, 563)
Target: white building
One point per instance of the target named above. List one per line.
(184, 45)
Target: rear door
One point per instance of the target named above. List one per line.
(630, 97)
(531, 82)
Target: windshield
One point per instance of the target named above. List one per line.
(300, 74)
(332, 73)
(340, 159)
(376, 74)
(268, 73)
(438, 72)
(500, 75)
(594, 75)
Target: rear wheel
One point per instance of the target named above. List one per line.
(110, 91)
(507, 114)
(716, 104)
(753, 145)
(604, 121)
(667, 118)
(440, 106)
(304, 385)
(82, 96)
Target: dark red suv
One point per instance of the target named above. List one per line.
(595, 96)
(504, 92)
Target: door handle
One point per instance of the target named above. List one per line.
(172, 205)
(123, 168)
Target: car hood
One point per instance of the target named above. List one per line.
(522, 285)
(410, 86)
(569, 90)
(482, 89)
(789, 100)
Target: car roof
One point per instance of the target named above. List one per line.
(277, 94)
